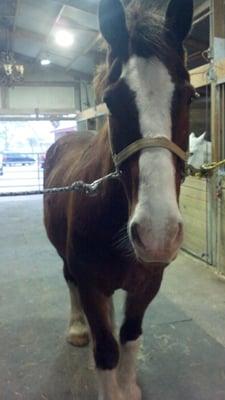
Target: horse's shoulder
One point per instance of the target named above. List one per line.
(65, 150)
(68, 143)
(69, 139)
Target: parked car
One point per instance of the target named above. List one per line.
(17, 159)
(1, 164)
(41, 160)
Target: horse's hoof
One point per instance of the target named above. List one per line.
(133, 392)
(111, 396)
(76, 338)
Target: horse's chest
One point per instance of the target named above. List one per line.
(107, 270)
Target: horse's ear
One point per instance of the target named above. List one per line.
(179, 18)
(202, 137)
(112, 22)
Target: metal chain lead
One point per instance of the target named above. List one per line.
(89, 189)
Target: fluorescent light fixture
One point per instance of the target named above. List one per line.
(45, 61)
(64, 38)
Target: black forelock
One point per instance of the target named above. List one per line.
(149, 35)
(146, 31)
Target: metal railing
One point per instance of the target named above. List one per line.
(22, 173)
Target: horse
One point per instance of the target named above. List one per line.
(126, 235)
(200, 151)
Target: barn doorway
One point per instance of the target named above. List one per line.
(23, 145)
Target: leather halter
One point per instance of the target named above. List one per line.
(147, 143)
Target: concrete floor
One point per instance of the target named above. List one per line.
(183, 350)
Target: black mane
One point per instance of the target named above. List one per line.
(149, 37)
(147, 30)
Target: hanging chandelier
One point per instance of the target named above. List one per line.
(11, 72)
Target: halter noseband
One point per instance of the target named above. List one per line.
(147, 143)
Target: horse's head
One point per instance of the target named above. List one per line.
(148, 93)
(200, 150)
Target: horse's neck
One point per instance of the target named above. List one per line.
(109, 208)
(101, 156)
(101, 164)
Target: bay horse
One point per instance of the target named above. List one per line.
(127, 234)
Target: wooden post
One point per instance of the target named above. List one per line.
(217, 51)
(4, 96)
(217, 47)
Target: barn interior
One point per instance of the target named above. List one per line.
(49, 52)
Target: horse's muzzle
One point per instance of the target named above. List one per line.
(156, 247)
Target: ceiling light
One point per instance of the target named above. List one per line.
(45, 61)
(64, 38)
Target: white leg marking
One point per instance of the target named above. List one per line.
(108, 386)
(78, 333)
(127, 371)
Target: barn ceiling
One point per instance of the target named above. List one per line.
(27, 28)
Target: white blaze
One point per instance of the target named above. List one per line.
(154, 89)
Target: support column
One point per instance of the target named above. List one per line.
(217, 51)
(4, 91)
(217, 47)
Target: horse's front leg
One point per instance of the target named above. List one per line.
(98, 310)
(130, 333)
(78, 332)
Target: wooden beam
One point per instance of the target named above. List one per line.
(85, 5)
(75, 25)
(217, 45)
(219, 25)
(4, 112)
(202, 76)
(16, 13)
(93, 112)
(57, 16)
(27, 34)
(72, 83)
(203, 8)
(199, 77)
(84, 18)
(84, 51)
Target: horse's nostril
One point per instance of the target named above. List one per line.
(135, 234)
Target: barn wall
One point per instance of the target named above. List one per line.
(193, 204)
(41, 97)
(47, 89)
(87, 95)
(221, 233)
(221, 186)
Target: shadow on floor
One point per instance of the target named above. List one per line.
(178, 359)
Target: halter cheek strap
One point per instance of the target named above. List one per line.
(147, 143)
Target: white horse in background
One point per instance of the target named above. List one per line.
(200, 151)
